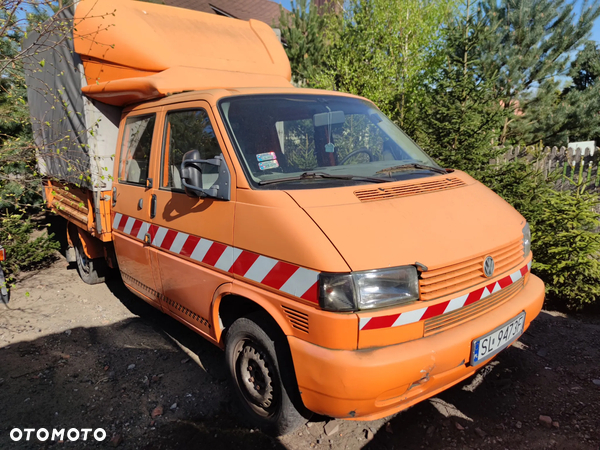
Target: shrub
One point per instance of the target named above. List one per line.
(566, 247)
(22, 250)
(519, 184)
(564, 225)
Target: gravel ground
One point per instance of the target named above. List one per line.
(79, 356)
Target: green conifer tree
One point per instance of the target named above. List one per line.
(585, 70)
(566, 245)
(529, 49)
(461, 113)
(582, 97)
(303, 35)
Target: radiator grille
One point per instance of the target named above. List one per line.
(443, 322)
(457, 277)
(404, 190)
(298, 319)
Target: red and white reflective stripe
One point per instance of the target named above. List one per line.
(280, 275)
(396, 320)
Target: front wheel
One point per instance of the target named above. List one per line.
(264, 382)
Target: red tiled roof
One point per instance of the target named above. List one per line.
(264, 10)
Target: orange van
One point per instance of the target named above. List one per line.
(340, 268)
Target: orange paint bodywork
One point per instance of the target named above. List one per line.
(370, 384)
(134, 51)
(78, 206)
(342, 369)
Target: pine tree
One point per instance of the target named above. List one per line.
(303, 35)
(571, 114)
(529, 49)
(461, 113)
(585, 70)
(583, 96)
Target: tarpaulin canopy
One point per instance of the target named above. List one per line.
(119, 52)
(75, 136)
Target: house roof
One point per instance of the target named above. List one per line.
(264, 10)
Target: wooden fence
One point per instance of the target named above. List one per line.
(570, 167)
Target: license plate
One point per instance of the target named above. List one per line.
(487, 346)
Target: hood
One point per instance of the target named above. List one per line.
(436, 221)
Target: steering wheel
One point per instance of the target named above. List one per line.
(356, 152)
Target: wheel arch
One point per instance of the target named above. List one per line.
(266, 315)
(231, 304)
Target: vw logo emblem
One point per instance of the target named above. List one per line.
(488, 266)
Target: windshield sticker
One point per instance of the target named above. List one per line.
(266, 157)
(268, 165)
(330, 148)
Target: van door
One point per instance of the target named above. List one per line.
(196, 252)
(134, 204)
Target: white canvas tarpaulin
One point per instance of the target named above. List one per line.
(75, 136)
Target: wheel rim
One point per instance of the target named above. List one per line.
(255, 378)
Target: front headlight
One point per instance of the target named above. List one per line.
(369, 289)
(526, 240)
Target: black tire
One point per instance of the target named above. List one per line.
(4, 292)
(91, 271)
(260, 368)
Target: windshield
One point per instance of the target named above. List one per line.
(310, 141)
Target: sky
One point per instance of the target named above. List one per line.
(595, 31)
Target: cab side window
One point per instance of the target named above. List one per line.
(188, 130)
(135, 149)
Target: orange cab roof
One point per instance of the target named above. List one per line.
(134, 51)
(214, 95)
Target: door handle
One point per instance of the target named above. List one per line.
(153, 207)
(114, 199)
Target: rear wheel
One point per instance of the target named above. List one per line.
(91, 271)
(262, 376)
(4, 293)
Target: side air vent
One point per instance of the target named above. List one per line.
(404, 190)
(298, 319)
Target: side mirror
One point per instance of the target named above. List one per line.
(191, 176)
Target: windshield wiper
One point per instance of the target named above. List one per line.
(412, 166)
(314, 175)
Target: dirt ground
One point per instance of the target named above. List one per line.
(79, 356)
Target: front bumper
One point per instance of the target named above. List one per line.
(374, 383)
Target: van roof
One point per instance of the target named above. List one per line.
(134, 51)
(214, 95)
